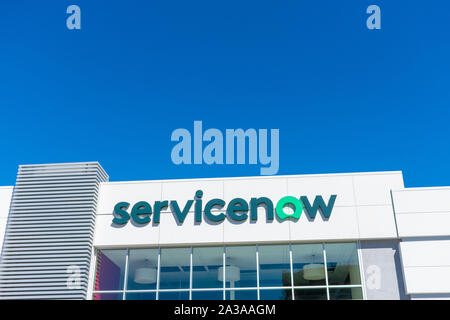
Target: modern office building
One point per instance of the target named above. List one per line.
(66, 232)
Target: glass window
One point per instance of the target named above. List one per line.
(141, 296)
(241, 267)
(206, 267)
(110, 271)
(279, 294)
(108, 296)
(310, 294)
(175, 295)
(142, 269)
(241, 295)
(175, 268)
(274, 266)
(207, 295)
(345, 293)
(342, 263)
(308, 265)
(240, 273)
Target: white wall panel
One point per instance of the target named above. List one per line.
(182, 191)
(107, 235)
(423, 224)
(171, 233)
(5, 201)
(423, 221)
(258, 231)
(273, 188)
(373, 217)
(3, 222)
(426, 253)
(427, 265)
(422, 212)
(342, 225)
(419, 280)
(374, 189)
(376, 222)
(311, 186)
(113, 192)
(422, 200)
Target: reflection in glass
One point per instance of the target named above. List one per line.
(207, 295)
(279, 294)
(142, 269)
(308, 265)
(241, 295)
(206, 263)
(342, 263)
(175, 268)
(110, 271)
(108, 296)
(240, 272)
(241, 267)
(346, 294)
(140, 296)
(310, 294)
(175, 295)
(274, 266)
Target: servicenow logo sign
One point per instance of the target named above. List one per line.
(237, 209)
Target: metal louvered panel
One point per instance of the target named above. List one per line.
(50, 230)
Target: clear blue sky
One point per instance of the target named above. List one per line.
(346, 99)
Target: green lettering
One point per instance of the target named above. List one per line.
(298, 208)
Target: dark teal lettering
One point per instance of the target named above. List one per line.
(181, 215)
(141, 208)
(198, 206)
(255, 202)
(159, 205)
(214, 203)
(237, 209)
(120, 210)
(318, 204)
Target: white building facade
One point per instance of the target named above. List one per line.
(66, 232)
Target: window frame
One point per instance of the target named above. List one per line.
(225, 289)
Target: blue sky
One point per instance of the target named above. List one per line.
(345, 98)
